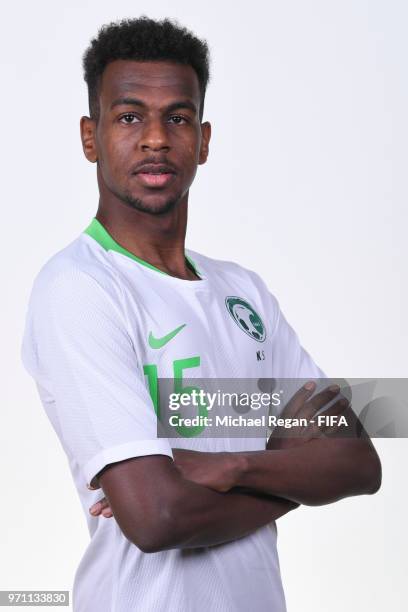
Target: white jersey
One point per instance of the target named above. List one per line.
(102, 327)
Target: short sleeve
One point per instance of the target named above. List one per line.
(77, 348)
(292, 364)
(290, 359)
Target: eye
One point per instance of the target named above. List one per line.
(129, 118)
(177, 119)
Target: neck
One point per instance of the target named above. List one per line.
(157, 239)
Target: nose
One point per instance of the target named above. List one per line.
(154, 136)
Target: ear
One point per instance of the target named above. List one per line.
(205, 141)
(88, 129)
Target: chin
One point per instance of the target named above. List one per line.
(155, 205)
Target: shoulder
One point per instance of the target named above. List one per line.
(79, 273)
(229, 270)
(78, 264)
(218, 266)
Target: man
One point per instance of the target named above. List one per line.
(125, 305)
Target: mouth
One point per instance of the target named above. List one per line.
(155, 175)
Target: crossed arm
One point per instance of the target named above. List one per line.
(202, 499)
(174, 512)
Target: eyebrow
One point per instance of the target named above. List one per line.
(171, 107)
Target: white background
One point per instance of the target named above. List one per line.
(306, 184)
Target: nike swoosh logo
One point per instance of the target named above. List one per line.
(156, 343)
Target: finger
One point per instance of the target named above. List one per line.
(319, 401)
(322, 424)
(348, 429)
(97, 508)
(107, 513)
(331, 425)
(299, 398)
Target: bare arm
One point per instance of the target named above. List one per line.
(305, 469)
(319, 472)
(157, 509)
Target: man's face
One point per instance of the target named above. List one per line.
(148, 139)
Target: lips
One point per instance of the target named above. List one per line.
(155, 175)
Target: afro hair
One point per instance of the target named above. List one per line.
(143, 39)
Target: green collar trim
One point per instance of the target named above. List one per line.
(97, 231)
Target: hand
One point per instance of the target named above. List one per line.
(303, 406)
(213, 470)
